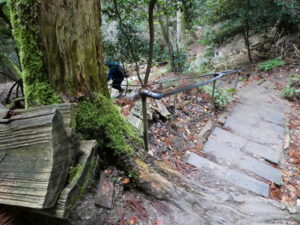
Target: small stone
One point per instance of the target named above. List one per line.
(298, 202)
(292, 210)
(87, 218)
(151, 153)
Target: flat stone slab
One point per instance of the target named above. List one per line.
(247, 118)
(224, 153)
(245, 145)
(229, 175)
(261, 112)
(256, 132)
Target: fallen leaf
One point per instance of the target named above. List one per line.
(126, 180)
(133, 220)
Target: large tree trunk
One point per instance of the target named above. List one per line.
(62, 59)
(60, 48)
(61, 54)
(70, 36)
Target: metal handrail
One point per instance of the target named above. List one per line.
(158, 95)
(144, 93)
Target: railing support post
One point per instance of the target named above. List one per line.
(237, 80)
(145, 122)
(213, 92)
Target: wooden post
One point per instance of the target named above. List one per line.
(145, 122)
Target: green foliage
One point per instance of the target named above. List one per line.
(101, 119)
(222, 32)
(200, 65)
(237, 16)
(77, 171)
(74, 172)
(292, 88)
(41, 93)
(222, 97)
(180, 59)
(270, 64)
(203, 65)
(23, 18)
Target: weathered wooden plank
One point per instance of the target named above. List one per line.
(65, 109)
(74, 190)
(34, 158)
(67, 113)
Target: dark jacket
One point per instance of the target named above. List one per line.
(115, 74)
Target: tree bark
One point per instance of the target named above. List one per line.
(11, 66)
(61, 48)
(180, 28)
(151, 41)
(70, 36)
(165, 31)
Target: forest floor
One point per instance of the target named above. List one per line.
(171, 140)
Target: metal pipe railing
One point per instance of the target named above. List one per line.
(144, 93)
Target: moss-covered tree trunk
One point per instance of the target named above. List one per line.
(60, 46)
(62, 59)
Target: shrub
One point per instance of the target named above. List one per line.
(222, 97)
(180, 59)
(292, 88)
(270, 64)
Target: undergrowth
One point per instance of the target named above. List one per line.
(292, 88)
(100, 119)
(221, 97)
(270, 64)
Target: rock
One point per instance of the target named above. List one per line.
(104, 196)
(2, 107)
(292, 210)
(206, 130)
(222, 119)
(162, 110)
(136, 122)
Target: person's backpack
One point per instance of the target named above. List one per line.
(122, 70)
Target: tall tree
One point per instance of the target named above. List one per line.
(62, 59)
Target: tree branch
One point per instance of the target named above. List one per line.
(151, 41)
(134, 57)
(10, 65)
(3, 16)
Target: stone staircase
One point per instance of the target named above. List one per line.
(245, 152)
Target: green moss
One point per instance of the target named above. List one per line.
(87, 182)
(23, 14)
(100, 119)
(74, 172)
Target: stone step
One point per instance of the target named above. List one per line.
(245, 145)
(236, 178)
(261, 112)
(260, 131)
(260, 122)
(234, 158)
